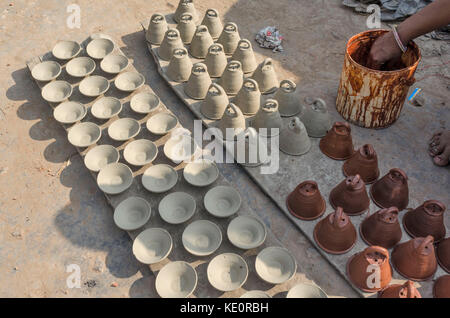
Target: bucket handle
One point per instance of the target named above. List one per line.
(288, 85)
(199, 68)
(250, 84)
(157, 18)
(186, 17)
(244, 44)
(216, 88)
(201, 29)
(319, 105)
(230, 27)
(173, 33)
(267, 62)
(270, 104)
(234, 66)
(212, 13)
(179, 52)
(376, 249)
(215, 48)
(234, 108)
(185, 2)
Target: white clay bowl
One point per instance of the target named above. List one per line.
(177, 207)
(152, 245)
(161, 123)
(66, 50)
(202, 238)
(129, 81)
(275, 265)
(84, 134)
(114, 63)
(255, 294)
(246, 232)
(144, 103)
(132, 213)
(180, 148)
(305, 290)
(106, 107)
(57, 91)
(227, 272)
(222, 201)
(101, 156)
(159, 178)
(93, 86)
(46, 71)
(115, 178)
(80, 66)
(201, 173)
(140, 152)
(176, 280)
(69, 112)
(99, 48)
(124, 129)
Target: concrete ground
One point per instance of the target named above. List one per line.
(51, 211)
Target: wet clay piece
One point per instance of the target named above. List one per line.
(427, 219)
(93, 86)
(114, 63)
(232, 78)
(66, 50)
(415, 259)
(335, 234)
(202, 238)
(294, 139)
(57, 91)
(443, 254)
(382, 228)
(288, 99)
(180, 148)
(227, 272)
(222, 201)
(124, 129)
(106, 107)
(362, 266)
(185, 6)
(201, 173)
(177, 207)
(229, 38)
(407, 290)
(266, 77)
(46, 71)
(441, 288)
(232, 122)
(391, 190)
(212, 21)
(351, 195)
(171, 41)
(215, 60)
(80, 66)
(199, 82)
(267, 120)
(129, 81)
(152, 245)
(213, 106)
(248, 99)
(363, 162)
(132, 213)
(159, 178)
(306, 202)
(144, 103)
(115, 178)
(162, 123)
(187, 27)
(180, 66)
(275, 265)
(84, 134)
(157, 27)
(316, 118)
(244, 54)
(140, 152)
(246, 232)
(176, 280)
(69, 112)
(337, 143)
(99, 48)
(100, 156)
(201, 42)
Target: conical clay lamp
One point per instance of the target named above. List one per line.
(266, 77)
(427, 219)
(201, 42)
(288, 99)
(363, 162)
(186, 27)
(441, 288)
(391, 190)
(183, 7)
(337, 143)
(232, 78)
(248, 99)
(306, 202)
(294, 139)
(215, 102)
(157, 28)
(370, 270)
(215, 60)
(171, 41)
(335, 234)
(382, 228)
(229, 38)
(252, 150)
(268, 120)
(244, 54)
(199, 81)
(180, 66)
(351, 195)
(212, 21)
(443, 254)
(415, 259)
(234, 119)
(316, 118)
(406, 290)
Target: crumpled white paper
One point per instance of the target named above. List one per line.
(270, 38)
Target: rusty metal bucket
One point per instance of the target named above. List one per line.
(374, 98)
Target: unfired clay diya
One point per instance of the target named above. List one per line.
(306, 290)
(80, 66)
(406, 290)
(84, 134)
(114, 63)
(275, 265)
(351, 195)
(124, 129)
(246, 232)
(69, 112)
(140, 152)
(132, 213)
(255, 294)
(306, 202)
(337, 143)
(46, 71)
(382, 228)
(115, 178)
(201, 173)
(176, 280)
(202, 238)
(222, 201)
(335, 234)
(152, 245)
(391, 190)
(106, 107)
(162, 123)
(362, 269)
(427, 219)
(93, 86)
(100, 156)
(144, 103)
(129, 81)
(180, 148)
(227, 272)
(99, 48)
(56, 91)
(177, 207)
(363, 162)
(415, 259)
(66, 50)
(443, 254)
(441, 288)
(159, 178)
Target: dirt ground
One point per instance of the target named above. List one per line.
(51, 212)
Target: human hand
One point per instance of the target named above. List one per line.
(384, 50)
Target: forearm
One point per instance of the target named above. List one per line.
(433, 16)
